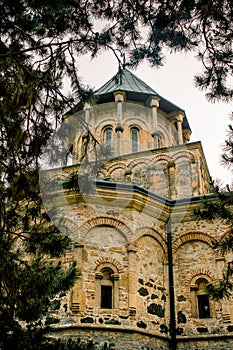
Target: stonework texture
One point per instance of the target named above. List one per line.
(121, 244)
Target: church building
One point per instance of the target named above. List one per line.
(144, 256)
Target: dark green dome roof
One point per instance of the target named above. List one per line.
(126, 81)
(136, 90)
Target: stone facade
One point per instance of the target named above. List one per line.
(120, 230)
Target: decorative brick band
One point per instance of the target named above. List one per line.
(118, 165)
(103, 173)
(72, 226)
(196, 274)
(106, 221)
(191, 236)
(144, 163)
(147, 231)
(160, 158)
(108, 260)
(184, 154)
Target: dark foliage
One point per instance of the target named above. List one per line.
(220, 206)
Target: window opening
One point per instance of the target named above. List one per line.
(134, 135)
(106, 300)
(106, 297)
(160, 141)
(108, 137)
(203, 306)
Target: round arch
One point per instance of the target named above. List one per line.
(146, 231)
(110, 263)
(184, 154)
(119, 165)
(191, 236)
(162, 158)
(196, 275)
(106, 221)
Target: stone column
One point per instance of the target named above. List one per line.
(220, 261)
(154, 104)
(132, 287)
(115, 278)
(179, 120)
(86, 109)
(119, 99)
(98, 278)
(193, 291)
(78, 296)
(172, 180)
(186, 135)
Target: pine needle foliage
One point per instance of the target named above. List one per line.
(220, 207)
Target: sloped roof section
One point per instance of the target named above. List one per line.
(136, 90)
(126, 81)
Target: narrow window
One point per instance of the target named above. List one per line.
(106, 297)
(203, 306)
(160, 141)
(134, 136)
(108, 137)
(107, 287)
(106, 300)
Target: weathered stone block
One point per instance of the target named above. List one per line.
(143, 291)
(181, 317)
(163, 328)
(202, 329)
(141, 324)
(113, 321)
(181, 298)
(155, 309)
(87, 320)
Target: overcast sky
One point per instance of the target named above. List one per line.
(174, 81)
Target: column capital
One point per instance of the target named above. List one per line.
(119, 96)
(115, 277)
(186, 135)
(153, 101)
(98, 276)
(193, 288)
(119, 127)
(86, 106)
(155, 134)
(78, 245)
(177, 116)
(131, 248)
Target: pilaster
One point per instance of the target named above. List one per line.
(78, 296)
(119, 99)
(132, 280)
(154, 104)
(86, 109)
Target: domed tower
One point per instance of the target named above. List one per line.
(144, 257)
(131, 119)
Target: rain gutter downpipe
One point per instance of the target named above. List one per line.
(173, 344)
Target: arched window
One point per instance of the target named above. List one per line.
(108, 137)
(160, 141)
(200, 299)
(107, 288)
(134, 138)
